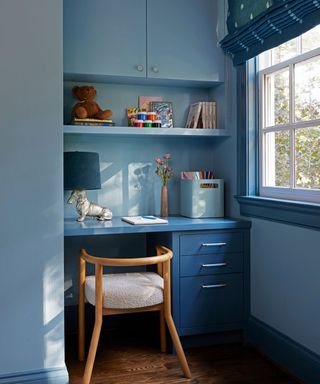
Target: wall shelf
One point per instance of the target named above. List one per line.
(132, 131)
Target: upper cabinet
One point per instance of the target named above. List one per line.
(167, 39)
(105, 37)
(182, 39)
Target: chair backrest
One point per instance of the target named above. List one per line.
(162, 260)
(163, 254)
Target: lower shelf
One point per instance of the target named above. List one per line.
(134, 131)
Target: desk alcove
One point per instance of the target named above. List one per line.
(210, 279)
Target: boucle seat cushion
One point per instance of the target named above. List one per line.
(127, 290)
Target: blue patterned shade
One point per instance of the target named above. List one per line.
(255, 26)
(81, 170)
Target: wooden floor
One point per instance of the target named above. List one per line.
(132, 361)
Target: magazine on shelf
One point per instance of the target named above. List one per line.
(193, 116)
(144, 220)
(202, 115)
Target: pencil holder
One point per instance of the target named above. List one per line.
(202, 198)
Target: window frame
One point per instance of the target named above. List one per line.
(251, 204)
(284, 193)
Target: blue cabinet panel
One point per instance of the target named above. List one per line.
(183, 40)
(105, 37)
(209, 300)
(171, 40)
(206, 243)
(211, 264)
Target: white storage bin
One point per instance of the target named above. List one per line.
(202, 198)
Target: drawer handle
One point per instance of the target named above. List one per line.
(214, 265)
(213, 244)
(214, 286)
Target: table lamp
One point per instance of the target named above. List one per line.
(81, 173)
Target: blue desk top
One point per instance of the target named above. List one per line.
(176, 223)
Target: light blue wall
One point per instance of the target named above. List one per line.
(285, 284)
(31, 237)
(285, 263)
(129, 184)
(118, 97)
(225, 155)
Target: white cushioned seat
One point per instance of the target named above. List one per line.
(127, 290)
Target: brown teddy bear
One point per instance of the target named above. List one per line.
(88, 108)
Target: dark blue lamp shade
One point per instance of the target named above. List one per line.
(81, 170)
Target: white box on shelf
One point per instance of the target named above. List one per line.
(202, 198)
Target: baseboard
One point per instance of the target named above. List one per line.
(292, 356)
(43, 376)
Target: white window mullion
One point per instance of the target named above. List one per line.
(291, 121)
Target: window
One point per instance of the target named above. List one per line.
(289, 119)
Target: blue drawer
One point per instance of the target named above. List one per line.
(211, 300)
(211, 264)
(207, 243)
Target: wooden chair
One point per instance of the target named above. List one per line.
(138, 292)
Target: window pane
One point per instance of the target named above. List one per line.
(307, 146)
(311, 39)
(277, 159)
(277, 98)
(307, 90)
(284, 51)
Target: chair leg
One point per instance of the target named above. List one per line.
(81, 326)
(177, 344)
(163, 341)
(92, 351)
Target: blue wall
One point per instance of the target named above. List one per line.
(129, 184)
(285, 261)
(285, 284)
(31, 288)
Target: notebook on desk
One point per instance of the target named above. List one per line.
(144, 220)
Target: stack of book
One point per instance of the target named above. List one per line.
(202, 115)
(106, 123)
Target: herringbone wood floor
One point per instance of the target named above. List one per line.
(132, 360)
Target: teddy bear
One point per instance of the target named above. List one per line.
(87, 107)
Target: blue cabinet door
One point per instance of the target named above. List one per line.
(183, 39)
(105, 37)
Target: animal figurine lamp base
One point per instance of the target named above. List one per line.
(86, 208)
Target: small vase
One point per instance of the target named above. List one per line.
(164, 201)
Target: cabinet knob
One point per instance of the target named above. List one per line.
(155, 69)
(139, 68)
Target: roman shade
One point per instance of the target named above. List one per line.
(255, 26)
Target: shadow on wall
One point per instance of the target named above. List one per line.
(125, 190)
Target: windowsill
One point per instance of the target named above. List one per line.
(284, 211)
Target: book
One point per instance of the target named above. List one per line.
(202, 115)
(92, 122)
(145, 102)
(193, 115)
(214, 114)
(100, 124)
(144, 220)
(164, 111)
(132, 115)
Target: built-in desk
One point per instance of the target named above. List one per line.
(210, 267)
(175, 223)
